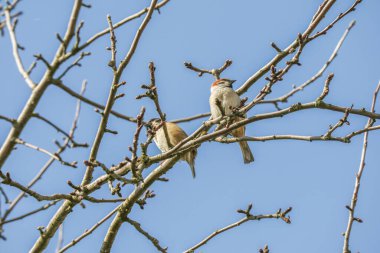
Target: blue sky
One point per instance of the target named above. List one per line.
(316, 178)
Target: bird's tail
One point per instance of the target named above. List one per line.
(190, 159)
(246, 151)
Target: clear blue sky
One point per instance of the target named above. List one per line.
(316, 179)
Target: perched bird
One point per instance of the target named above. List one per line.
(224, 98)
(176, 134)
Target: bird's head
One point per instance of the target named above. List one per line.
(153, 123)
(222, 83)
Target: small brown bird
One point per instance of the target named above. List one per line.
(176, 135)
(223, 97)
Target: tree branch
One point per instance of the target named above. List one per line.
(47, 165)
(59, 84)
(67, 206)
(334, 54)
(15, 48)
(88, 231)
(215, 72)
(351, 208)
(60, 130)
(42, 208)
(115, 26)
(54, 156)
(154, 240)
(249, 217)
(318, 17)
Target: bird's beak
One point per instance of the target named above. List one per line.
(232, 81)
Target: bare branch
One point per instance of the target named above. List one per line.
(134, 148)
(109, 172)
(42, 208)
(88, 231)
(142, 201)
(187, 119)
(95, 200)
(340, 123)
(15, 48)
(74, 64)
(107, 109)
(8, 181)
(334, 54)
(340, 16)
(54, 156)
(215, 72)
(154, 241)
(276, 47)
(51, 160)
(35, 97)
(67, 206)
(153, 95)
(318, 17)
(249, 217)
(60, 130)
(40, 57)
(351, 208)
(326, 88)
(77, 33)
(276, 76)
(115, 26)
(6, 199)
(112, 62)
(69, 91)
(88, 185)
(126, 206)
(7, 119)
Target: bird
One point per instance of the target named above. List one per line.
(223, 97)
(176, 135)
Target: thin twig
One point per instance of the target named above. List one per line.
(76, 63)
(334, 54)
(153, 95)
(317, 18)
(15, 48)
(351, 208)
(340, 16)
(215, 72)
(115, 26)
(60, 130)
(4, 194)
(340, 123)
(47, 165)
(88, 231)
(276, 76)
(326, 88)
(54, 156)
(95, 200)
(109, 172)
(107, 109)
(249, 217)
(42, 208)
(154, 240)
(8, 181)
(10, 120)
(59, 84)
(187, 119)
(134, 147)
